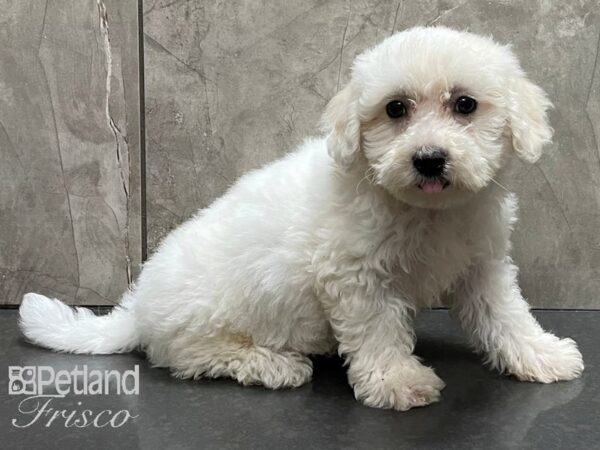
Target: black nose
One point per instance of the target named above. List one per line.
(431, 164)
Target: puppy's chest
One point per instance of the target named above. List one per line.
(426, 255)
(418, 255)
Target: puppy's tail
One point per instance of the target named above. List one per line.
(52, 324)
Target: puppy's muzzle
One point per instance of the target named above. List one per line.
(430, 163)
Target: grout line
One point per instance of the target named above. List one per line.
(15, 306)
(535, 309)
(142, 114)
(565, 309)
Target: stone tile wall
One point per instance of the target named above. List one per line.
(230, 86)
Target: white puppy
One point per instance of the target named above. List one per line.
(337, 245)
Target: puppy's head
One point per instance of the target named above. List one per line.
(430, 114)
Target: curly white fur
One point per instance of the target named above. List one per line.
(336, 247)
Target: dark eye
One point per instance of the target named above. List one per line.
(465, 105)
(395, 109)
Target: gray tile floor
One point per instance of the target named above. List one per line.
(479, 409)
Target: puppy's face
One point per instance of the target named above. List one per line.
(431, 113)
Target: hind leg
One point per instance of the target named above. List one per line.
(274, 369)
(243, 361)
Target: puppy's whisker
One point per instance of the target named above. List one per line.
(500, 185)
(360, 182)
(369, 176)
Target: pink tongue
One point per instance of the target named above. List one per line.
(432, 187)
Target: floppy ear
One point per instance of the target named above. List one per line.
(528, 120)
(342, 122)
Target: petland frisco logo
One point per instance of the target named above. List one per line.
(43, 387)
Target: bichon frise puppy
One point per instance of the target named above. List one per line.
(337, 245)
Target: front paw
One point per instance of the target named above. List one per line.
(401, 387)
(546, 359)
